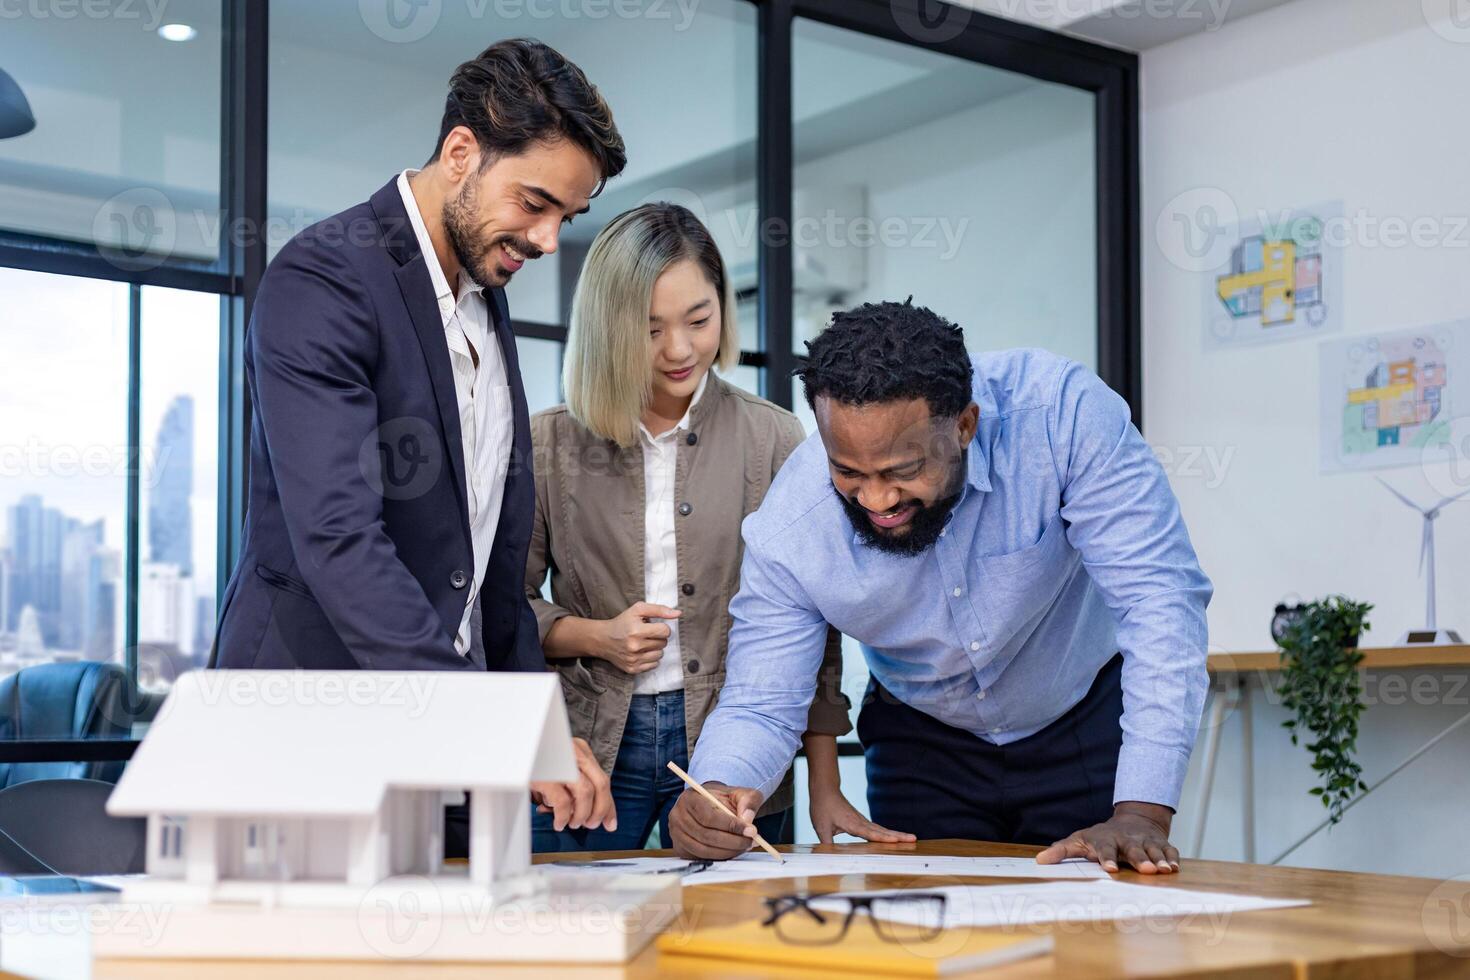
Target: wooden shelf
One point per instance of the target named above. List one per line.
(1377, 658)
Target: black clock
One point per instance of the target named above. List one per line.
(1284, 617)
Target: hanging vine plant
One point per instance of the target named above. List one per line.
(1321, 687)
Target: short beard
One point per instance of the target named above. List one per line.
(921, 531)
(472, 252)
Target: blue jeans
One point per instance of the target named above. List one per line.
(643, 788)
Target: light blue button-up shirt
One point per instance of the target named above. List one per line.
(1065, 548)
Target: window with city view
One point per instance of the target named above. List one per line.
(66, 465)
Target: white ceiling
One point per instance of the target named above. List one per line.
(1135, 25)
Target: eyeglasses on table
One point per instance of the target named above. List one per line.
(901, 917)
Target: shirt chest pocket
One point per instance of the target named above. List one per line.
(1014, 590)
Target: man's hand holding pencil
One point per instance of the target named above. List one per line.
(715, 821)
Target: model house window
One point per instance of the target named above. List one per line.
(171, 838)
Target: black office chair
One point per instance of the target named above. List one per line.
(81, 699)
(61, 826)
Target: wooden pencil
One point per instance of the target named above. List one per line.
(674, 768)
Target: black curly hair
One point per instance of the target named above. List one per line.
(882, 352)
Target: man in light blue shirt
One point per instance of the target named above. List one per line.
(1008, 551)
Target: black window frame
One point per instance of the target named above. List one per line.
(1110, 74)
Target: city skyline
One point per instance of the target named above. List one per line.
(60, 569)
(60, 581)
(65, 465)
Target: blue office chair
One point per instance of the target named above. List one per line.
(64, 701)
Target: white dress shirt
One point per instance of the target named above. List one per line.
(486, 420)
(660, 557)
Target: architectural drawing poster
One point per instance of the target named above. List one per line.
(1282, 280)
(1391, 399)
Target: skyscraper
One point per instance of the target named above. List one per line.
(203, 629)
(166, 608)
(106, 619)
(37, 534)
(170, 518)
(6, 619)
(81, 584)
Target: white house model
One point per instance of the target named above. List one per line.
(300, 813)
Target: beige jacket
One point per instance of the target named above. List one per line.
(589, 535)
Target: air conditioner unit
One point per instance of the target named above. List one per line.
(829, 248)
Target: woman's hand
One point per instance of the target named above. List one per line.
(633, 641)
(833, 815)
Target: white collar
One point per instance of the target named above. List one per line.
(683, 423)
(426, 246)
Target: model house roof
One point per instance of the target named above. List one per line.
(329, 743)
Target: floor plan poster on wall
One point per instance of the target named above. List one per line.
(1282, 280)
(1391, 399)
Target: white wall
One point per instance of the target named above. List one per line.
(1360, 101)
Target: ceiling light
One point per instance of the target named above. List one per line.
(177, 32)
(16, 118)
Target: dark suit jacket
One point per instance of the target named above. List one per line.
(356, 550)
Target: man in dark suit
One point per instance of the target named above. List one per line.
(391, 501)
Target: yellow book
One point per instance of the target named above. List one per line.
(861, 950)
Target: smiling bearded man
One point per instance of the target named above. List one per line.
(1008, 551)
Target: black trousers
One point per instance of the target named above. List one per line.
(936, 781)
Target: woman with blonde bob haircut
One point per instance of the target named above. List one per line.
(642, 480)
(606, 372)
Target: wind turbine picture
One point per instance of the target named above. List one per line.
(1431, 634)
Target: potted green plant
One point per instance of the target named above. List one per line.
(1321, 687)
